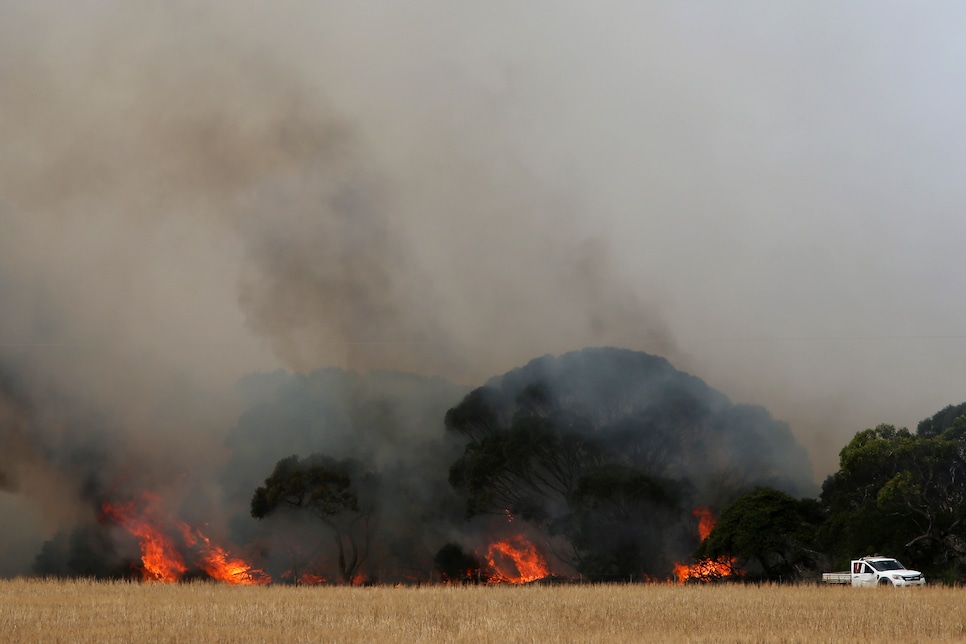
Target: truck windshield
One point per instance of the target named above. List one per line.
(887, 564)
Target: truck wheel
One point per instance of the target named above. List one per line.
(884, 583)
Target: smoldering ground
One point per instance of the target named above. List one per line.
(194, 191)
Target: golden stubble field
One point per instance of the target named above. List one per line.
(83, 611)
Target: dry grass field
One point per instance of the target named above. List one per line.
(35, 611)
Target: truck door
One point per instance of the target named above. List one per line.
(863, 574)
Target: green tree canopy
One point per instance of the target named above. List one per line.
(941, 420)
(767, 529)
(903, 494)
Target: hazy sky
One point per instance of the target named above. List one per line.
(768, 194)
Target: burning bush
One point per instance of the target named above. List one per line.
(170, 548)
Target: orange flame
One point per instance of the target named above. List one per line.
(515, 561)
(161, 559)
(706, 569)
(706, 521)
(306, 578)
(218, 563)
(312, 579)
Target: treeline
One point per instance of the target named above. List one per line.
(896, 492)
(599, 457)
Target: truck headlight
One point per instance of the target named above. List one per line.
(896, 576)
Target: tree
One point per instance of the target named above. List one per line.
(529, 468)
(324, 488)
(617, 521)
(589, 448)
(941, 420)
(904, 494)
(768, 529)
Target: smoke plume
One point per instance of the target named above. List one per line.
(195, 191)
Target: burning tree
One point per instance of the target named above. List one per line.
(706, 568)
(600, 449)
(324, 488)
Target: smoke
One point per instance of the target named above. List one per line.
(149, 127)
(193, 191)
(175, 191)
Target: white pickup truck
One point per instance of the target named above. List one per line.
(875, 571)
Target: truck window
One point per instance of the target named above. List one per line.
(886, 564)
(857, 568)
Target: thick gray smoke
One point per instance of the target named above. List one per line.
(172, 184)
(192, 191)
